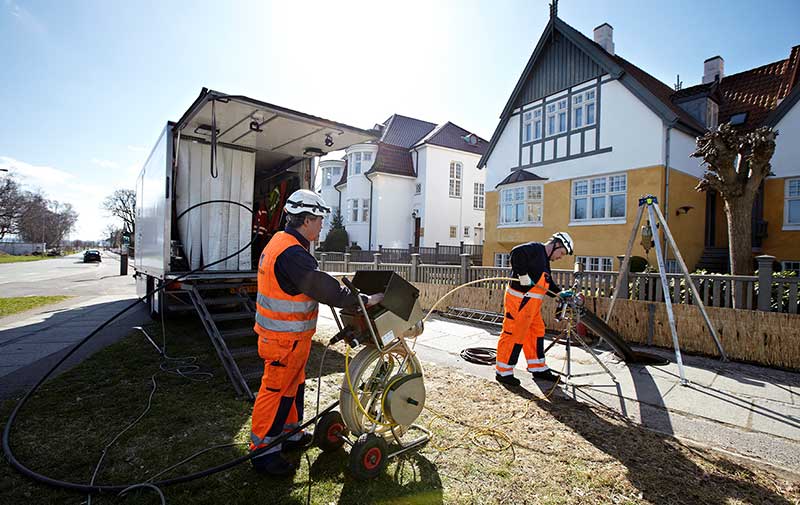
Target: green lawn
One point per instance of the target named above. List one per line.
(7, 258)
(562, 451)
(10, 306)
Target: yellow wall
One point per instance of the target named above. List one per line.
(597, 240)
(688, 229)
(784, 245)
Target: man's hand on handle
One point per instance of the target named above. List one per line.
(374, 299)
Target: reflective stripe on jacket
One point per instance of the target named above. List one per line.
(280, 315)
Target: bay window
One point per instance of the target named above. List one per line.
(521, 205)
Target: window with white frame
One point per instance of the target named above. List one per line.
(583, 109)
(367, 157)
(551, 119)
(466, 232)
(327, 175)
(365, 210)
(599, 198)
(418, 188)
(455, 179)
(478, 201)
(352, 210)
(357, 163)
(527, 126)
(521, 205)
(537, 123)
(791, 266)
(562, 115)
(791, 211)
(453, 231)
(502, 260)
(595, 263)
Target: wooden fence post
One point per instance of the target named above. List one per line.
(376, 257)
(414, 267)
(347, 262)
(765, 281)
(322, 257)
(623, 287)
(436, 255)
(464, 267)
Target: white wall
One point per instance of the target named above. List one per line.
(358, 187)
(392, 225)
(681, 146)
(504, 156)
(786, 160)
(440, 211)
(627, 125)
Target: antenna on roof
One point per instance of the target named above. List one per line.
(678, 82)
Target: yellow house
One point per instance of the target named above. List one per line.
(586, 133)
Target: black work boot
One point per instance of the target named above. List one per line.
(301, 444)
(506, 379)
(547, 375)
(273, 464)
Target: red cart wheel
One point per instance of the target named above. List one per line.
(369, 456)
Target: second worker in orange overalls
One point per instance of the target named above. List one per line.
(523, 326)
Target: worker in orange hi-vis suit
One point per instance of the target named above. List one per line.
(290, 288)
(523, 326)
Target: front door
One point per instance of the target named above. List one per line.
(417, 224)
(478, 235)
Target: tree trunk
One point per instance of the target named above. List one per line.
(739, 212)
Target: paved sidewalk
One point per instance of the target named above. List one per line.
(31, 343)
(748, 410)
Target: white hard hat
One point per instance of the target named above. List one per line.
(304, 200)
(565, 240)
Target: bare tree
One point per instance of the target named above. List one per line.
(12, 205)
(45, 220)
(122, 204)
(736, 165)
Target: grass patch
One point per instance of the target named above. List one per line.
(13, 305)
(563, 451)
(19, 259)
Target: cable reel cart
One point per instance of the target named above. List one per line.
(383, 392)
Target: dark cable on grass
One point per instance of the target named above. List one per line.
(146, 486)
(12, 460)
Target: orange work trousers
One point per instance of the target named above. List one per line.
(523, 330)
(279, 404)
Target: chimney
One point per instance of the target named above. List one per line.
(604, 35)
(713, 69)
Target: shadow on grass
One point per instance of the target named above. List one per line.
(657, 464)
(410, 478)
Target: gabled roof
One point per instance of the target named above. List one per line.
(405, 131)
(651, 91)
(520, 176)
(392, 160)
(453, 136)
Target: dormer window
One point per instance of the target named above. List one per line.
(738, 119)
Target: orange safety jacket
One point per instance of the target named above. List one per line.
(279, 315)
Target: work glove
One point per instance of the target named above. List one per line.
(374, 299)
(525, 280)
(567, 293)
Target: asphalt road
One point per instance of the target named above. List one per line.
(67, 275)
(32, 341)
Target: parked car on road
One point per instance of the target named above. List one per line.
(91, 255)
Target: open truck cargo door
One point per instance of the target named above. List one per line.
(231, 147)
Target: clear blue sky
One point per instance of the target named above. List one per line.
(87, 86)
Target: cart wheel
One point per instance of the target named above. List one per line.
(328, 427)
(368, 456)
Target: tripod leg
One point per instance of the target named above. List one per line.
(667, 300)
(690, 282)
(624, 267)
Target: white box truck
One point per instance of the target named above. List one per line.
(225, 148)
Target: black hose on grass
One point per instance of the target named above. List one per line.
(117, 488)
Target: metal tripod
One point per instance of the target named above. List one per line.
(571, 311)
(654, 214)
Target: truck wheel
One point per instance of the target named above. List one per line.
(329, 426)
(369, 456)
